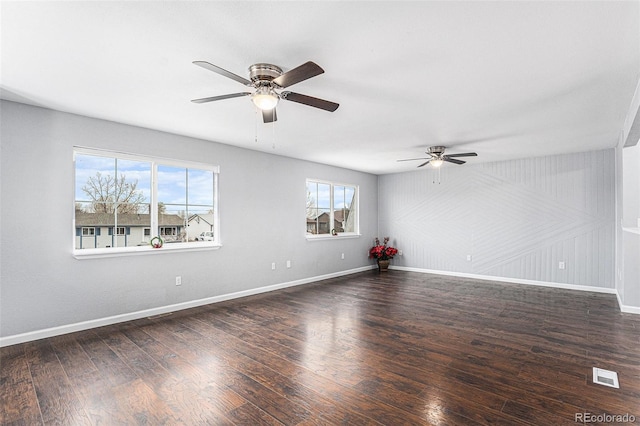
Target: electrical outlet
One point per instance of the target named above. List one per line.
(288, 264)
(469, 257)
(561, 265)
(178, 280)
(399, 252)
(273, 266)
(342, 256)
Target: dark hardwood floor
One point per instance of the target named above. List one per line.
(393, 348)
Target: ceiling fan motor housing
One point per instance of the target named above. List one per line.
(264, 72)
(436, 150)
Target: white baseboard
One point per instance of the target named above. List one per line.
(509, 280)
(100, 322)
(629, 309)
(623, 308)
(626, 308)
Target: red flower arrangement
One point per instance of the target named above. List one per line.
(381, 251)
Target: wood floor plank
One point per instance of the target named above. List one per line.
(363, 349)
(249, 389)
(538, 417)
(340, 395)
(323, 411)
(106, 361)
(249, 414)
(56, 396)
(16, 386)
(77, 364)
(183, 397)
(204, 380)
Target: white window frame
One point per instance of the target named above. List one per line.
(147, 249)
(339, 235)
(91, 231)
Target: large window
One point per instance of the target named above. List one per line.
(332, 209)
(123, 201)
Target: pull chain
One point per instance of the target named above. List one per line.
(273, 129)
(434, 176)
(273, 135)
(256, 115)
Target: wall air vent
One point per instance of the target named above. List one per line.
(605, 377)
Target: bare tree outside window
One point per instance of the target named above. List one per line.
(311, 205)
(105, 192)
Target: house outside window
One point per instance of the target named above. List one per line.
(123, 200)
(332, 209)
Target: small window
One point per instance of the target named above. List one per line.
(332, 209)
(88, 232)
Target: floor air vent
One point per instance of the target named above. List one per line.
(605, 377)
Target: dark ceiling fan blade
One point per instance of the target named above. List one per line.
(298, 74)
(452, 160)
(425, 163)
(269, 115)
(412, 159)
(464, 154)
(219, 98)
(310, 101)
(221, 71)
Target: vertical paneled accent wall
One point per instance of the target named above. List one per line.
(511, 219)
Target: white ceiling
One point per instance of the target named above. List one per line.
(505, 79)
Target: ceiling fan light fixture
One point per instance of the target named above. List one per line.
(265, 98)
(436, 162)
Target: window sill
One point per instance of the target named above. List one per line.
(143, 250)
(324, 237)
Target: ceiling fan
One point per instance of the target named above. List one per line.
(437, 157)
(268, 80)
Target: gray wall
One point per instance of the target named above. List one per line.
(262, 212)
(516, 219)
